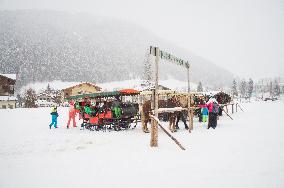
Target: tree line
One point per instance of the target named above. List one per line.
(246, 89)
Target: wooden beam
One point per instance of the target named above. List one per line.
(167, 132)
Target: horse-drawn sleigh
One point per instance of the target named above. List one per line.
(107, 110)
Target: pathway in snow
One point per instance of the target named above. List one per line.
(246, 152)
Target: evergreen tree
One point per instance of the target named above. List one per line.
(147, 75)
(234, 88)
(30, 98)
(199, 87)
(250, 88)
(20, 100)
(270, 87)
(56, 97)
(276, 89)
(48, 89)
(243, 88)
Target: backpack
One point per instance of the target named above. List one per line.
(215, 108)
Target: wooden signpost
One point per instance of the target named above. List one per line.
(155, 51)
(154, 124)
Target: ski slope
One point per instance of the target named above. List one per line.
(245, 152)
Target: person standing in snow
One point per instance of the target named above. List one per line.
(199, 111)
(204, 112)
(54, 116)
(213, 109)
(215, 112)
(72, 114)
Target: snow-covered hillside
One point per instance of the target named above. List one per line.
(245, 152)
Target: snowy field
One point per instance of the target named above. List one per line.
(245, 152)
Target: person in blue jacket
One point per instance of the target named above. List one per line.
(205, 113)
(54, 116)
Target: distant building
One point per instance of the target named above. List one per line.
(7, 84)
(83, 88)
(45, 100)
(44, 96)
(160, 87)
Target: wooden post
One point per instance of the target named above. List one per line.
(240, 107)
(190, 118)
(154, 124)
(227, 114)
(236, 107)
(232, 108)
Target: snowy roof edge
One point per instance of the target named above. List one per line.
(8, 98)
(11, 76)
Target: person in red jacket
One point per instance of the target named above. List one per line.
(72, 114)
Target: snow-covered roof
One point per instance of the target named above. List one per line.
(11, 76)
(8, 98)
(90, 84)
(118, 85)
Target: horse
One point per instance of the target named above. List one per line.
(175, 101)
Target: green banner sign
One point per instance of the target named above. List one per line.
(169, 57)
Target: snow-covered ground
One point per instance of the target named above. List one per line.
(245, 152)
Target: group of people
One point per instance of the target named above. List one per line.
(83, 108)
(211, 109)
(207, 112)
(72, 115)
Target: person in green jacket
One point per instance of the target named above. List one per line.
(117, 111)
(87, 110)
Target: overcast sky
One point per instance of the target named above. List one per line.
(244, 36)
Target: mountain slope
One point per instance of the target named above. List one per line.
(51, 45)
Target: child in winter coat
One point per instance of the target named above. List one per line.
(72, 114)
(54, 116)
(205, 113)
